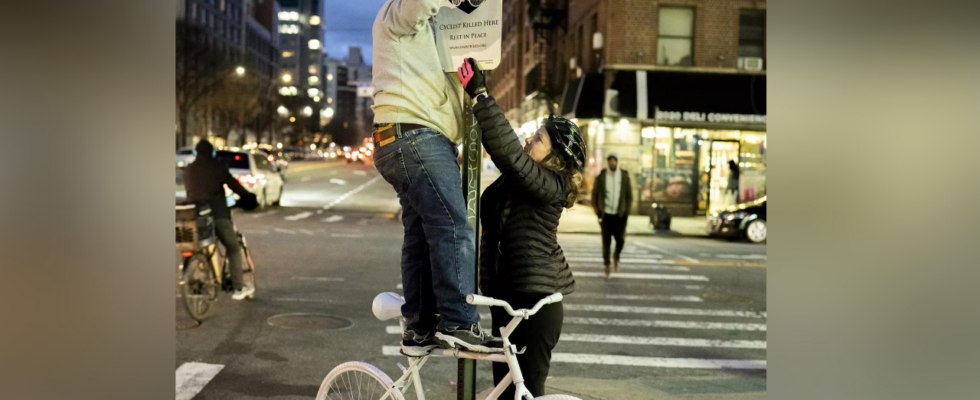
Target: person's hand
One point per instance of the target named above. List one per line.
(472, 78)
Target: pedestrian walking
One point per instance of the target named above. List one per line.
(520, 259)
(418, 115)
(733, 172)
(612, 197)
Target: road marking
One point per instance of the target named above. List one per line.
(736, 256)
(297, 217)
(644, 297)
(305, 179)
(351, 193)
(358, 172)
(636, 267)
(193, 376)
(622, 261)
(657, 362)
(338, 181)
(693, 287)
(347, 235)
(255, 232)
(664, 310)
(300, 300)
(334, 218)
(286, 231)
(724, 326)
(393, 330)
(626, 275)
(306, 232)
(264, 213)
(318, 212)
(663, 341)
(741, 264)
(655, 248)
(399, 286)
(317, 278)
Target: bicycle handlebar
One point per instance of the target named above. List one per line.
(478, 300)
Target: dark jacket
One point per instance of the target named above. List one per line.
(519, 250)
(599, 194)
(204, 180)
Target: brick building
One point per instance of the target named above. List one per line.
(676, 88)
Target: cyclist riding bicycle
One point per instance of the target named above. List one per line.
(204, 180)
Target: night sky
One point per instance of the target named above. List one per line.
(348, 23)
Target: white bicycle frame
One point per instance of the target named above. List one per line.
(509, 356)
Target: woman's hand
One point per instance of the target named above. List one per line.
(472, 78)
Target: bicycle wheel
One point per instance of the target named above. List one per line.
(198, 289)
(356, 381)
(557, 397)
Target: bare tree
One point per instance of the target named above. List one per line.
(201, 69)
(237, 102)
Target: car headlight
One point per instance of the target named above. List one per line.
(736, 215)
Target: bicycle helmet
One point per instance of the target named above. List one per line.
(566, 141)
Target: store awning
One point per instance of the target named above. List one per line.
(640, 93)
(583, 97)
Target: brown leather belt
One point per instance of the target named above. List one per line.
(387, 133)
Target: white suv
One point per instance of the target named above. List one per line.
(255, 173)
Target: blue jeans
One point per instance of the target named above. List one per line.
(438, 261)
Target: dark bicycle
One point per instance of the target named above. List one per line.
(204, 272)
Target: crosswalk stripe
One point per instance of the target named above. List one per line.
(193, 376)
(297, 217)
(657, 362)
(642, 340)
(663, 341)
(621, 261)
(676, 268)
(663, 310)
(645, 297)
(627, 275)
(728, 326)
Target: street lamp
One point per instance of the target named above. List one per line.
(240, 70)
(307, 111)
(292, 119)
(287, 78)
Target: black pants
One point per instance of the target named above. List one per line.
(225, 230)
(613, 226)
(539, 333)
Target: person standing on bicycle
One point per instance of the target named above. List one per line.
(205, 181)
(520, 259)
(418, 118)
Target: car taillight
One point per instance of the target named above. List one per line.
(249, 180)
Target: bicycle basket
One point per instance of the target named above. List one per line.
(194, 227)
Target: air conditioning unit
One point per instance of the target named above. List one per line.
(750, 63)
(610, 108)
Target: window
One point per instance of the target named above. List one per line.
(752, 33)
(675, 40)
(287, 54)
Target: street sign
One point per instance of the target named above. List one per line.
(469, 28)
(365, 89)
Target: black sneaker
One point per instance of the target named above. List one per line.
(414, 345)
(472, 338)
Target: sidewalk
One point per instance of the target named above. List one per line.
(582, 219)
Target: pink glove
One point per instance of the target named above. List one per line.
(471, 77)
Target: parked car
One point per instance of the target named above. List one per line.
(746, 220)
(254, 171)
(277, 159)
(185, 156)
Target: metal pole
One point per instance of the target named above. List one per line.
(472, 157)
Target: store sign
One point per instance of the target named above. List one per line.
(469, 28)
(692, 116)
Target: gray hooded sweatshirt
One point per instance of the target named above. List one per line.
(409, 83)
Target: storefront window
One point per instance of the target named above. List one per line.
(668, 160)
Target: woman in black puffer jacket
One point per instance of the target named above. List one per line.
(520, 260)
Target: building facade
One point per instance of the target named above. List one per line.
(300, 73)
(676, 88)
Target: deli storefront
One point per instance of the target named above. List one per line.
(675, 132)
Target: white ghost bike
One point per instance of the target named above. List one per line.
(362, 381)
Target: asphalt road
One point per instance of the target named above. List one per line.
(684, 319)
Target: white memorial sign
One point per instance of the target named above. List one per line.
(469, 28)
